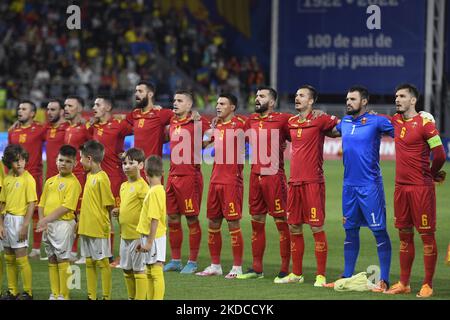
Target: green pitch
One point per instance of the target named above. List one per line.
(180, 287)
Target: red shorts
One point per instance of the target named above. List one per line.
(268, 194)
(184, 194)
(306, 204)
(225, 201)
(415, 206)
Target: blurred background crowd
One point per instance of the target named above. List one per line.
(119, 43)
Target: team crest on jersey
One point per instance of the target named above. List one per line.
(363, 121)
(414, 124)
(131, 189)
(61, 186)
(17, 185)
(94, 181)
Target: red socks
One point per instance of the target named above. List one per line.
(195, 236)
(297, 250)
(237, 246)
(407, 254)
(215, 245)
(175, 239)
(285, 245)
(429, 257)
(258, 244)
(321, 251)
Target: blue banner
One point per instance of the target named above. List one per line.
(332, 44)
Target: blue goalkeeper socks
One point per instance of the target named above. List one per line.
(384, 250)
(351, 251)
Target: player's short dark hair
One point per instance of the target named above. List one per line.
(108, 100)
(411, 88)
(31, 103)
(154, 166)
(148, 84)
(363, 92)
(68, 151)
(14, 152)
(79, 99)
(58, 101)
(186, 93)
(272, 92)
(231, 97)
(93, 149)
(134, 154)
(312, 91)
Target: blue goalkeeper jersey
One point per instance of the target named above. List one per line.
(361, 148)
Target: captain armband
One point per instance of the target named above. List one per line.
(434, 142)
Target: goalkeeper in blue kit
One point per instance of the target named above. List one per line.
(363, 200)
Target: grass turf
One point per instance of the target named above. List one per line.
(180, 287)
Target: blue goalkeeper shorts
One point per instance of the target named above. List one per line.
(364, 207)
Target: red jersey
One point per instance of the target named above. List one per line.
(76, 136)
(263, 128)
(227, 169)
(31, 138)
(112, 135)
(185, 146)
(307, 139)
(412, 152)
(149, 128)
(55, 139)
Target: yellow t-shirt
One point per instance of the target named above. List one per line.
(61, 192)
(2, 174)
(154, 207)
(17, 193)
(132, 195)
(94, 217)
